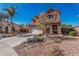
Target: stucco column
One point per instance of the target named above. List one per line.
(51, 30)
(30, 28)
(59, 30)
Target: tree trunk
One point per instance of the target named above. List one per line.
(12, 29)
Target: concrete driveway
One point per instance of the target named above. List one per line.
(16, 40)
(7, 44)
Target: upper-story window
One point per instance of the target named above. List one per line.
(34, 21)
(51, 16)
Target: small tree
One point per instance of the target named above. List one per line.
(44, 22)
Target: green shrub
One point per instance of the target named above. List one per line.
(72, 33)
(29, 40)
(35, 39)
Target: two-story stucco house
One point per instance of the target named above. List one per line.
(51, 15)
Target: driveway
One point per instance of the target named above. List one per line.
(7, 44)
(36, 32)
(16, 40)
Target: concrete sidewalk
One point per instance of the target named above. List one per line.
(6, 50)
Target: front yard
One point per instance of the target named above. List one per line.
(51, 46)
(45, 47)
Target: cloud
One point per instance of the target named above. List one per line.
(17, 23)
(77, 16)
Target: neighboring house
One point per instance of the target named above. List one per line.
(6, 27)
(25, 29)
(51, 15)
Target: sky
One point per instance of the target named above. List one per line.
(26, 11)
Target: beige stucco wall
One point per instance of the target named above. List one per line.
(17, 28)
(57, 15)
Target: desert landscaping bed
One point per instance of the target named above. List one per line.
(70, 47)
(57, 46)
(48, 47)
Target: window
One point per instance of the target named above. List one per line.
(0, 27)
(51, 16)
(34, 21)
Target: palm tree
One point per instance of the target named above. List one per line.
(11, 12)
(63, 25)
(66, 26)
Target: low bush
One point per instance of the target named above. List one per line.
(72, 33)
(29, 40)
(35, 39)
